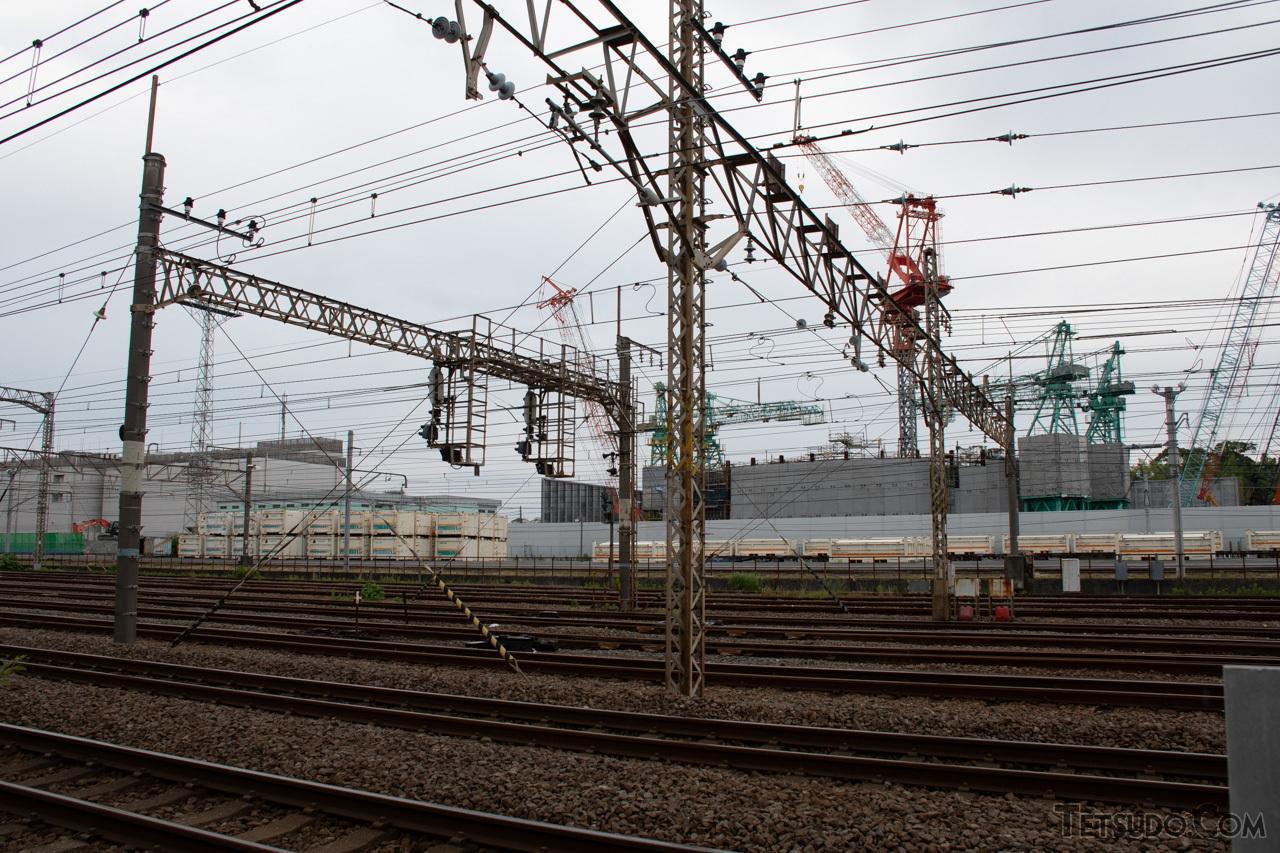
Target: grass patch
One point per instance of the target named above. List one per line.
(11, 668)
(372, 592)
(10, 563)
(744, 582)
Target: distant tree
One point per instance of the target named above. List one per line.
(1257, 478)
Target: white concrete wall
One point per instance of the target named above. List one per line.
(561, 540)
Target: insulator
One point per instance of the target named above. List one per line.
(751, 252)
(829, 320)
(495, 80)
(722, 265)
(717, 33)
(802, 323)
(455, 33)
(758, 81)
(507, 91)
(740, 58)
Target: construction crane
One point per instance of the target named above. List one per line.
(562, 309)
(1242, 338)
(1055, 412)
(1106, 401)
(917, 223)
(720, 412)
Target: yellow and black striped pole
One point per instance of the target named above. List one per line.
(489, 636)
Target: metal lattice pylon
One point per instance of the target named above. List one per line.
(42, 403)
(686, 369)
(199, 474)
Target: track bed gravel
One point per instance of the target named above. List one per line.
(709, 806)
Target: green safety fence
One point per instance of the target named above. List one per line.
(54, 543)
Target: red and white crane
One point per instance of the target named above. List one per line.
(917, 230)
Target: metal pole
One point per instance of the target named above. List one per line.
(626, 479)
(1015, 568)
(133, 432)
(8, 513)
(685, 658)
(1175, 473)
(580, 523)
(944, 573)
(248, 508)
(42, 499)
(346, 508)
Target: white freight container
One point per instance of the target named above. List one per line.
(322, 523)
(236, 524)
(391, 522)
(869, 550)
(358, 546)
(359, 524)
(1262, 540)
(457, 524)
(237, 546)
(1040, 543)
(390, 546)
(457, 547)
(818, 548)
(217, 546)
(493, 526)
(1200, 545)
(1096, 543)
(971, 544)
(276, 547)
(278, 522)
(491, 549)
(424, 547)
(190, 545)
(213, 524)
(600, 552)
(719, 549)
(774, 548)
(322, 546)
(424, 524)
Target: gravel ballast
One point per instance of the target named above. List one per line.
(701, 805)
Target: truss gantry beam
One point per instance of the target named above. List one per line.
(751, 195)
(42, 403)
(550, 366)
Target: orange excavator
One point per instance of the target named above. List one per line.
(110, 529)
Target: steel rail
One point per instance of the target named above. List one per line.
(996, 780)
(1151, 762)
(1189, 696)
(483, 828)
(1037, 633)
(1185, 663)
(128, 827)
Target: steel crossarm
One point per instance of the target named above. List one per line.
(197, 282)
(41, 402)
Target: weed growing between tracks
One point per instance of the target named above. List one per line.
(11, 668)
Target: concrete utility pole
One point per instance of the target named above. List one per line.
(133, 433)
(1175, 473)
(346, 507)
(1015, 567)
(626, 479)
(248, 508)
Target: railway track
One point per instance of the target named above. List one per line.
(504, 598)
(834, 753)
(58, 759)
(722, 641)
(1191, 696)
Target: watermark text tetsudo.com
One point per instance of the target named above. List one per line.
(1138, 824)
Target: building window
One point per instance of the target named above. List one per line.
(56, 497)
(59, 478)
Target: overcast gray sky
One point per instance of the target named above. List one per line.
(337, 99)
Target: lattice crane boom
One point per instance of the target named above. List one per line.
(724, 410)
(1242, 335)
